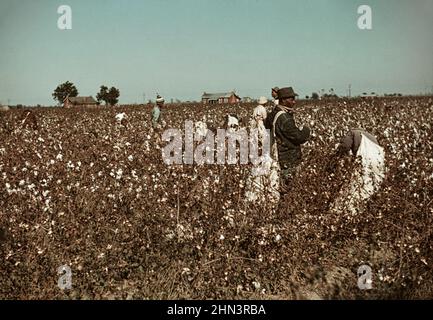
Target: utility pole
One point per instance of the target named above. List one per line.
(350, 90)
(144, 98)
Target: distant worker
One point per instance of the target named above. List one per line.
(286, 138)
(259, 116)
(122, 119)
(156, 112)
(263, 182)
(366, 180)
(274, 93)
(232, 122)
(200, 129)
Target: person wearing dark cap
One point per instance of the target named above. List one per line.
(286, 137)
(156, 112)
(274, 93)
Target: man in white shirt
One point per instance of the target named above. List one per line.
(263, 183)
(259, 115)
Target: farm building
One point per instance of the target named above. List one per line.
(70, 102)
(219, 98)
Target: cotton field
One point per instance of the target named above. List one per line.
(88, 189)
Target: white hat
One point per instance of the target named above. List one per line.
(159, 98)
(263, 100)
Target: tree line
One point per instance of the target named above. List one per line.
(108, 95)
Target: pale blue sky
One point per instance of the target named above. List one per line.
(182, 48)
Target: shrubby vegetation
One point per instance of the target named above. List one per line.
(85, 191)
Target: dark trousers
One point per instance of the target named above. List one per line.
(287, 173)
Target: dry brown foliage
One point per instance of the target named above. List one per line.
(80, 190)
